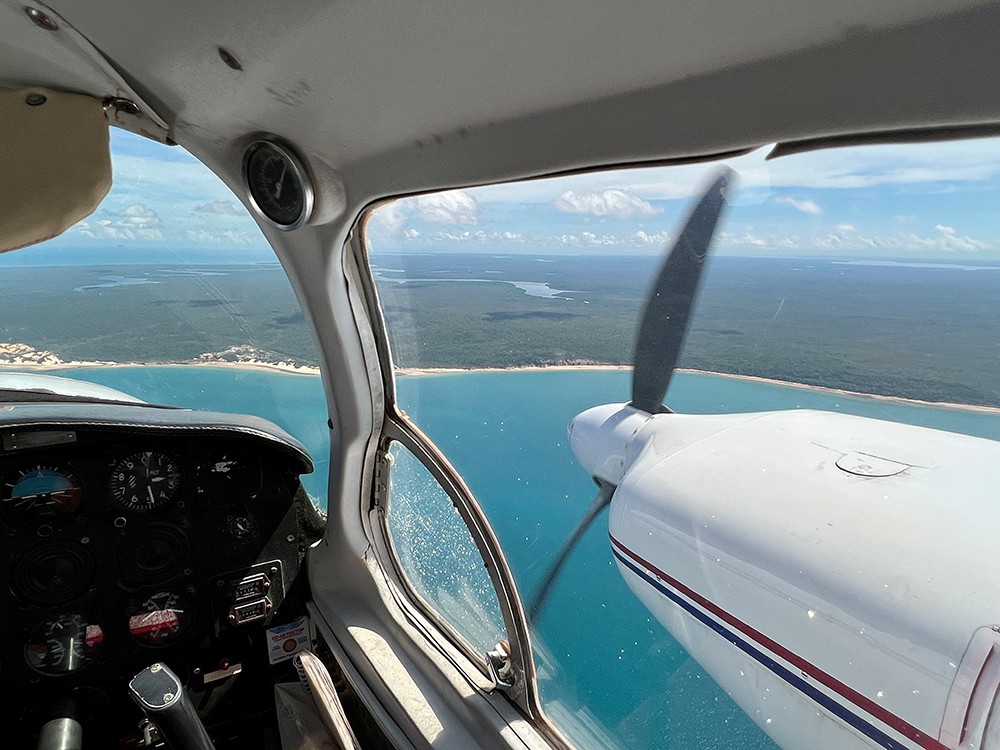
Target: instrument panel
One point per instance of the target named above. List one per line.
(122, 548)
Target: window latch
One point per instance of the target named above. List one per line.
(501, 669)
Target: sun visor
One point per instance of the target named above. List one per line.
(55, 163)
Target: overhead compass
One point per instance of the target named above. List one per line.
(279, 186)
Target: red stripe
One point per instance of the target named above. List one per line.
(844, 691)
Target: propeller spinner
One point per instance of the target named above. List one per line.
(603, 438)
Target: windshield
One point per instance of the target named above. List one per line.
(169, 293)
(857, 281)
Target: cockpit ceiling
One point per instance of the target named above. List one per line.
(403, 96)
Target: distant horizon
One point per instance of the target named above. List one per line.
(93, 256)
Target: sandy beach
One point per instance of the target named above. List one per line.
(15, 359)
(22, 357)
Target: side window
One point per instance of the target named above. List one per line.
(170, 293)
(437, 554)
(858, 282)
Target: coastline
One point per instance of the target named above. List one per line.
(291, 368)
(753, 378)
(50, 367)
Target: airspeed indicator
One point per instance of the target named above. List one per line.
(145, 481)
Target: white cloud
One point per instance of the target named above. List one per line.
(451, 207)
(805, 206)
(224, 236)
(138, 221)
(614, 202)
(638, 239)
(847, 238)
(642, 238)
(391, 218)
(221, 207)
(747, 239)
(480, 236)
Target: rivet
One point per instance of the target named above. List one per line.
(33, 100)
(41, 20)
(229, 59)
(167, 697)
(122, 105)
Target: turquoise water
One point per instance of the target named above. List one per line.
(604, 663)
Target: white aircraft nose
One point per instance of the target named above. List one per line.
(600, 438)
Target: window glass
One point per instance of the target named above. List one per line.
(859, 281)
(438, 555)
(170, 293)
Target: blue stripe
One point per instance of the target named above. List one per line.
(838, 710)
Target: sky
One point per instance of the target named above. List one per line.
(934, 200)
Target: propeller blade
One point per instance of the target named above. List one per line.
(603, 499)
(664, 322)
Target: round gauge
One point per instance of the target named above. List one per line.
(152, 553)
(231, 479)
(54, 572)
(62, 646)
(242, 525)
(145, 481)
(160, 619)
(42, 492)
(279, 186)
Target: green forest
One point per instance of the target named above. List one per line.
(915, 332)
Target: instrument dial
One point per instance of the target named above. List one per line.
(64, 645)
(279, 186)
(160, 619)
(145, 481)
(231, 478)
(242, 525)
(42, 493)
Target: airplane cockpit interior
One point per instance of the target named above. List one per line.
(309, 311)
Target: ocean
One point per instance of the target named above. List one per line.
(608, 671)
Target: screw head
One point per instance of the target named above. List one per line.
(41, 20)
(229, 59)
(167, 697)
